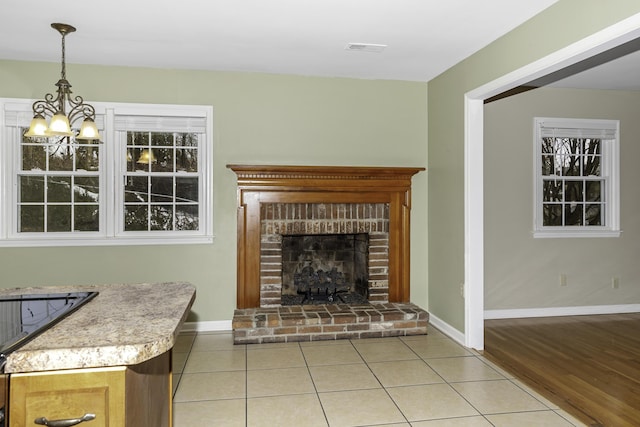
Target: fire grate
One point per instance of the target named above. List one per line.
(319, 296)
(322, 287)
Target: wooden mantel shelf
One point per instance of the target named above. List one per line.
(321, 184)
(323, 172)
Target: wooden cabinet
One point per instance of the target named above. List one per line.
(136, 396)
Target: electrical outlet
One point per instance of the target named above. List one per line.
(615, 283)
(563, 280)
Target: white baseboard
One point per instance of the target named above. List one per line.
(561, 311)
(446, 329)
(210, 326)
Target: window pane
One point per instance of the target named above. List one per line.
(592, 166)
(573, 191)
(162, 139)
(592, 146)
(136, 189)
(594, 191)
(187, 160)
(186, 189)
(547, 165)
(573, 214)
(593, 158)
(34, 157)
(58, 218)
(548, 145)
(31, 189)
(162, 189)
(186, 217)
(136, 218)
(86, 189)
(87, 158)
(552, 191)
(161, 217)
(186, 140)
(163, 160)
(551, 214)
(59, 189)
(138, 138)
(86, 218)
(571, 165)
(140, 159)
(31, 219)
(61, 157)
(594, 215)
(560, 145)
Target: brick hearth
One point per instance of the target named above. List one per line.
(327, 322)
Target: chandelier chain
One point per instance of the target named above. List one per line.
(63, 74)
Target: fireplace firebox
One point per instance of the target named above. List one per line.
(325, 269)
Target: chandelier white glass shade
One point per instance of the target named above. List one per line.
(63, 108)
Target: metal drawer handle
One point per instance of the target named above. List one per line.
(42, 421)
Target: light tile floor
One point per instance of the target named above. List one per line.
(420, 381)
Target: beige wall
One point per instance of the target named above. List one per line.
(523, 272)
(258, 118)
(563, 23)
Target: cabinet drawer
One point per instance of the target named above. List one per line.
(69, 394)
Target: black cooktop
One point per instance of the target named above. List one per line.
(23, 317)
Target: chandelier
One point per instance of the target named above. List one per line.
(63, 108)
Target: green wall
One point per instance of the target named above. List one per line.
(258, 119)
(565, 22)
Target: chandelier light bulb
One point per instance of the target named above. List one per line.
(38, 128)
(59, 125)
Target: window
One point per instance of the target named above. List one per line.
(576, 178)
(57, 187)
(161, 190)
(147, 181)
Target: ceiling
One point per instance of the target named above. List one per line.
(423, 38)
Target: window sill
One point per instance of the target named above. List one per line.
(120, 241)
(575, 234)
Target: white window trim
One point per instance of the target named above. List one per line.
(610, 170)
(109, 188)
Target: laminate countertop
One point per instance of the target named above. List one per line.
(125, 324)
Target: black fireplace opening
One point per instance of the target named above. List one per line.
(325, 269)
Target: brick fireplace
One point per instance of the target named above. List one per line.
(277, 202)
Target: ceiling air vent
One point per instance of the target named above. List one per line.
(366, 47)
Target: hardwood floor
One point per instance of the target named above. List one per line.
(587, 365)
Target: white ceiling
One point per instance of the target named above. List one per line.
(302, 37)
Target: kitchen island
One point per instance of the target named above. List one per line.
(111, 358)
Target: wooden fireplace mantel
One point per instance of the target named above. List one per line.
(321, 184)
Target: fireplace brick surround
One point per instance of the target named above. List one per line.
(323, 218)
(277, 200)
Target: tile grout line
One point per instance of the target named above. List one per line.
(246, 386)
(380, 382)
(315, 388)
